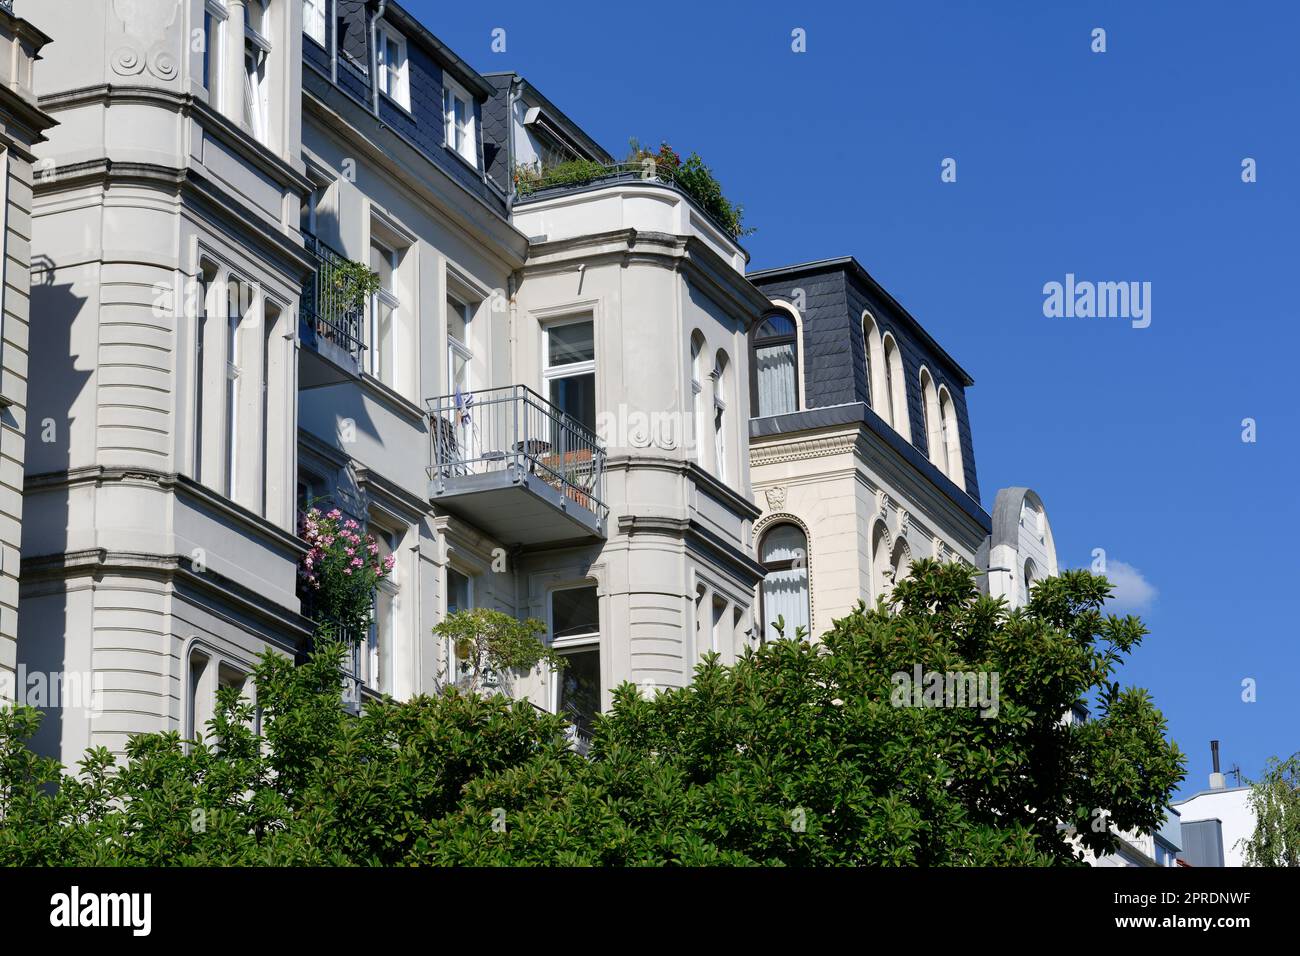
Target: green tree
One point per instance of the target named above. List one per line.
(1275, 801)
(799, 754)
(489, 649)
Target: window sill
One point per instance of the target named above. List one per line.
(406, 110)
(396, 400)
(473, 166)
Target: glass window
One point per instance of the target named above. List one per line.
(459, 112)
(570, 370)
(575, 612)
(384, 306)
(313, 19)
(391, 54)
(575, 634)
(776, 371)
(783, 553)
(579, 692)
(459, 352)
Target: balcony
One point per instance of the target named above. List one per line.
(620, 196)
(516, 466)
(330, 326)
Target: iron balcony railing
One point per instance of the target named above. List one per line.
(579, 740)
(326, 309)
(500, 429)
(7, 5)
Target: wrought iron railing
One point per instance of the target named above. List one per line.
(328, 310)
(500, 429)
(7, 5)
(579, 740)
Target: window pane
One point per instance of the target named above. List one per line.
(775, 326)
(574, 611)
(456, 324)
(576, 395)
(381, 261)
(785, 542)
(459, 372)
(579, 698)
(384, 357)
(785, 594)
(570, 343)
(775, 372)
(457, 591)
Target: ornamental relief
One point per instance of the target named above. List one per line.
(145, 24)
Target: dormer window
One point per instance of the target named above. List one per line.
(775, 361)
(313, 19)
(391, 56)
(458, 110)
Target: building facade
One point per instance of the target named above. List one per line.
(565, 401)
(22, 127)
(862, 458)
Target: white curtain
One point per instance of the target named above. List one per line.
(776, 379)
(785, 591)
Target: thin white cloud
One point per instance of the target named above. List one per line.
(1132, 591)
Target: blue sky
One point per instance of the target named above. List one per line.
(1115, 166)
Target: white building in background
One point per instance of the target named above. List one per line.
(1216, 823)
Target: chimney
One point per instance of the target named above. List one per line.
(1216, 778)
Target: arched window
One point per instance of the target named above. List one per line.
(883, 572)
(901, 562)
(783, 552)
(697, 394)
(1031, 577)
(951, 438)
(935, 447)
(775, 358)
(720, 437)
(896, 387)
(877, 390)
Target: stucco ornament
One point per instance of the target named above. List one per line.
(145, 24)
(775, 497)
(903, 519)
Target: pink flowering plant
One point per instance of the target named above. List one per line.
(340, 570)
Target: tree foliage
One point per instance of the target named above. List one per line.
(1275, 800)
(794, 755)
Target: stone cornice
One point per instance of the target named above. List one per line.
(170, 568)
(687, 469)
(185, 104)
(744, 566)
(173, 482)
(690, 255)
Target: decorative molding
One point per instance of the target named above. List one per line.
(775, 498)
(801, 450)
